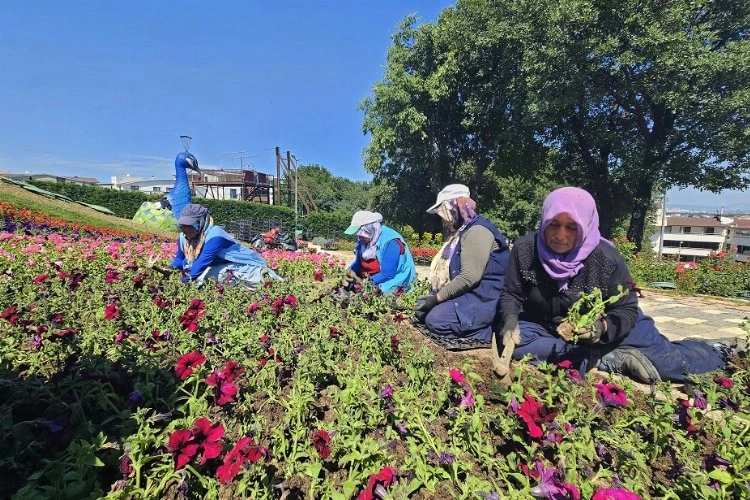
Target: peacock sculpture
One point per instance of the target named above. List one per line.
(163, 214)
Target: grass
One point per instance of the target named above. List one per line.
(72, 212)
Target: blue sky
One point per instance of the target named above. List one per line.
(100, 88)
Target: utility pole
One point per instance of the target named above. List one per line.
(296, 191)
(663, 222)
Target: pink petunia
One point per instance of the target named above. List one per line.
(457, 376)
(611, 395)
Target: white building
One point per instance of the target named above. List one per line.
(739, 239)
(692, 238)
(132, 183)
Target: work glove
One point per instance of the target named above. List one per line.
(510, 331)
(592, 334)
(425, 303)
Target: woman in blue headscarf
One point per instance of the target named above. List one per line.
(205, 250)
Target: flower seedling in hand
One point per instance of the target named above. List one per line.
(586, 311)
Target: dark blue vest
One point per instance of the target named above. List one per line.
(477, 307)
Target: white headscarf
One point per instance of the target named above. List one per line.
(371, 231)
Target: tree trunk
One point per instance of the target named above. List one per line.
(641, 204)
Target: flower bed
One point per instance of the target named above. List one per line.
(423, 256)
(122, 383)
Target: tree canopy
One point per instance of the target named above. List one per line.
(335, 194)
(622, 98)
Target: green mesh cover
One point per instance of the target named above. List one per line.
(152, 215)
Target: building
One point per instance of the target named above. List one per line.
(246, 185)
(739, 239)
(81, 181)
(131, 183)
(690, 239)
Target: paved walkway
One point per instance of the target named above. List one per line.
(679, 317)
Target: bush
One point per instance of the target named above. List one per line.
(123, 203)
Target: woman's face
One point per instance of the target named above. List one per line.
(561, 234)
(189, 231)
(364, 239)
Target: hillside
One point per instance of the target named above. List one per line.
(73, 212)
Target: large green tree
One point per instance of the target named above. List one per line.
(622, 98)
(447, 110)
(638, 95)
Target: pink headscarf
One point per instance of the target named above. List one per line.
(580, 206)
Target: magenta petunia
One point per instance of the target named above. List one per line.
(321, 441)
(183, 447)
(111, 311)
(187, 362)
(383, 479)
(224, 391)
(534, 414)
(614, 494)
(243, 451)
(611, 395)
(457, 376)
(208, 436)
(726, 383)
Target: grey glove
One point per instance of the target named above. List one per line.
(425, 303)
(592, 334)
(511, 332)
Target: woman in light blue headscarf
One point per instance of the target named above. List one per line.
(205, 250)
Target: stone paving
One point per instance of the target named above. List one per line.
(679, 317)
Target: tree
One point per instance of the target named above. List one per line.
(641, 95)
(622, 98)
(447, 110)
(332, 193)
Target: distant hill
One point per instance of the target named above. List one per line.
(736, 208)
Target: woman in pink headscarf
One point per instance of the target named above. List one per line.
(549, 270)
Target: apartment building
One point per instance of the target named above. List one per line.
(690, 239)
(739, 239)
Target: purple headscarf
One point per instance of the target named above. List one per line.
(580, 206)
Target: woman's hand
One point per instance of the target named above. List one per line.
(425, 303)
(152, 261)
(592, 334)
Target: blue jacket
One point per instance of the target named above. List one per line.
(218, 248)
(405, 272)
(477, 307)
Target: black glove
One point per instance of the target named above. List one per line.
(592, 334)
(426, 302)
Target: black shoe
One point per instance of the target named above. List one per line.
(630, 362)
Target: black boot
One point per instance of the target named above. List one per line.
(630, 362)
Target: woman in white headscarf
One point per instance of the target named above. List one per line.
(381, 254)
(466, 275)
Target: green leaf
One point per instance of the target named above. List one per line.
(722, 476)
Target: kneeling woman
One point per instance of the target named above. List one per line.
(547, 273)
(380, 254)
(466, 275)
(205, 250)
